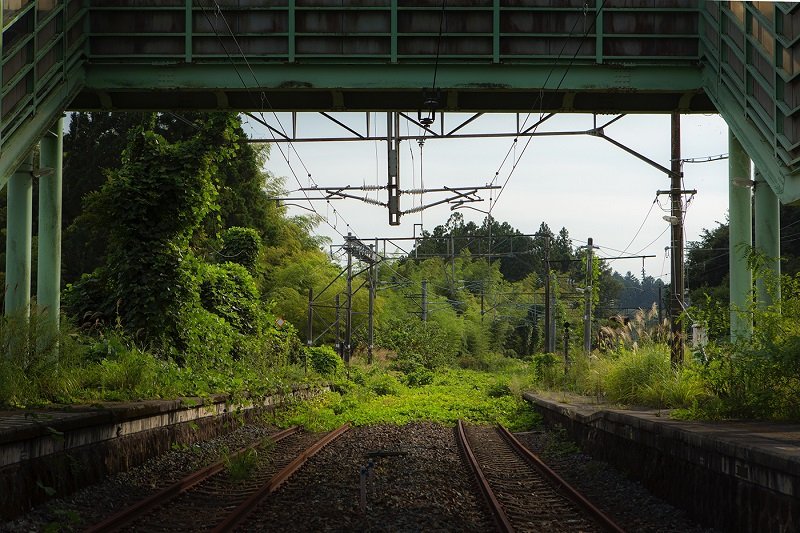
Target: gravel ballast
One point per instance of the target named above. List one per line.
(418, 482)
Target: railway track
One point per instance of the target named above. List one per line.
(212, 498)
(523, 494)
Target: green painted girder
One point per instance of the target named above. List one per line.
(375, 87)
(746, 49)
(36, 123)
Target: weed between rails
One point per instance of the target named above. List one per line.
(375, 396)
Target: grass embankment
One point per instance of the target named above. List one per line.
(376, 396)
(112, 368)
(641, 376)
(717, 384)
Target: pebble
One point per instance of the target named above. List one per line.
(419, 482)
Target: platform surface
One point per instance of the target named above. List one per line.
(777, 439)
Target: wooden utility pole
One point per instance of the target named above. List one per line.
(676, 221)
(348, 330)
(587, 312)
(547, 316)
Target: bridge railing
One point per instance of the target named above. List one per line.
(42, 49)
(753, 51)
(392, 31)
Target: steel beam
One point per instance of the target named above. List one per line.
(20, 143)
(18, 241)
(741, 217)
(48, 269)
(768, 241)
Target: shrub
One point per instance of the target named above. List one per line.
(546, 368)
(229, 291)
(416, 344)
(385, 385)
(208, 340)
(242, 246)
(324, 360)
(498, 390)
(419, 377)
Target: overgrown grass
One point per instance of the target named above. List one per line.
(377, 397)
(111, 367)
(640, 376)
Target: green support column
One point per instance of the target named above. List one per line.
(768, 242)
(741, 223)
(18, 241)
(48, 273)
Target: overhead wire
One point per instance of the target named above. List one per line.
(648, 245)
(541, 100)
(640, 225)
(264, 99)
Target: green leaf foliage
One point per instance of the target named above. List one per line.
(452, 394)
(229, 291)
(324, 360)
(242, 246)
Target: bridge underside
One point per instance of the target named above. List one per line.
(741, 59)
(465, 88)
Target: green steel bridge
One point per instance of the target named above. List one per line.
(738, 59)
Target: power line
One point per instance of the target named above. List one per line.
(541, 97)
(265, 99)
(640, 226)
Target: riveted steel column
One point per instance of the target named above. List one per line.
(741, 223)
(768, 242)
(18, 241)
(48, 269)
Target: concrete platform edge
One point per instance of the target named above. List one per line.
(720, 479)
(60, 456)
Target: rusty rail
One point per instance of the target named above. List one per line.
(159, 498)
(498, 513)
(568, 489)
(247, 506)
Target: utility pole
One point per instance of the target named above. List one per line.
(348, 331)
(338, 330)
(547, 317)
(424, 300)
(482, 308)
(453, 264)
(587, 314)
(553, 315)
(371, 316)
(676, 307)
(310, 323)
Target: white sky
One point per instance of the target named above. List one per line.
(585, 184)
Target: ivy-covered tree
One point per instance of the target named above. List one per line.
(152, 205)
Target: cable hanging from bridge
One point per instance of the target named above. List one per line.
(265, 99)
(541, 101)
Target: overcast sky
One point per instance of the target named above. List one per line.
(585, 184)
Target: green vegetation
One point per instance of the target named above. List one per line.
(241, 466)
(376, 396)
(757, 378)
(108, 366)
(324, 360)
(184, 279)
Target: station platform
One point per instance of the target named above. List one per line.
(731, 475)
(52, 452)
